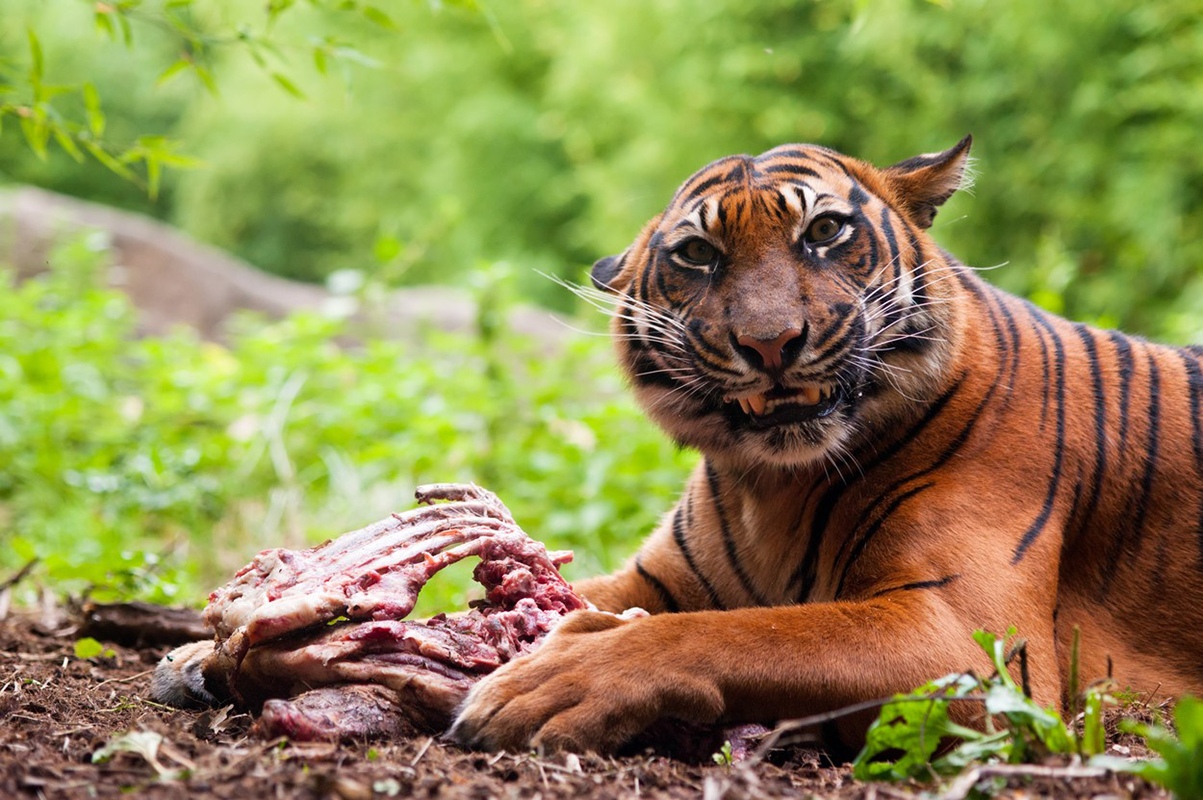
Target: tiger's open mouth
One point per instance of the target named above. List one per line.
(783, 405)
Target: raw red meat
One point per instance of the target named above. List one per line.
(275, 636)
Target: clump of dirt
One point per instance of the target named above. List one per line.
(58, 710)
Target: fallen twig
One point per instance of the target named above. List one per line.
(19, 575)
(960, 788)
(774, 736)
(422, 751)
(126, 678)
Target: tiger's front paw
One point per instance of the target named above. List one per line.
(596, 681)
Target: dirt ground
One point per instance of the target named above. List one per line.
(57, 710)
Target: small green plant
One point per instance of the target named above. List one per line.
(88, 647)
(1180, 767)
(1015, 728)
(723, 757)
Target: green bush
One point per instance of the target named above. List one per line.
(158, 466)
(544, 134)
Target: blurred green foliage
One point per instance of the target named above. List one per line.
(156, 467)
(546, 133)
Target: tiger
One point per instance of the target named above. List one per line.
(893, 454)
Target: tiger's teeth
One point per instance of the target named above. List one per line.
(811, 393)
(757, 402)
(745, 405)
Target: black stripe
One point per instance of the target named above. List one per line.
(645, 295)
(1100, 423)
(1134, 531)
(828, 332)
(1125, 366)
(1152, 451)
(709, 183)
(906, 587)
(1194, 383)
(856, 329)
(793, 169)
(728, 540)
(919, 270)
(691, 349)
(951, 450)
(1044, 361)
(1050, 498)
(679, 537)
(739, 172)
(666, 597)
(892, 241)
(826, 505)
(782, 205)
(1014, 331)
(872, 531)
(661, 276)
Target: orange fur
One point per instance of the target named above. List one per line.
(987, 464)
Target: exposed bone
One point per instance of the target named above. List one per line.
(270, 638)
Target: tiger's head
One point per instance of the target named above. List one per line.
(784, 303)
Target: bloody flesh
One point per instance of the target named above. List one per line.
(273, 640)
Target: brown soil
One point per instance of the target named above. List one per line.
(57, 710)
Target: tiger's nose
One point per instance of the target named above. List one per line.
(772, 352)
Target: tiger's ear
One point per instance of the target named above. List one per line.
(606, 272)
(924, 182)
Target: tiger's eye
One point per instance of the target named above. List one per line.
(823, 229)
(698, 251)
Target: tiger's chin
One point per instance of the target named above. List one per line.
(783, 427)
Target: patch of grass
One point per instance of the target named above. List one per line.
(910, 739)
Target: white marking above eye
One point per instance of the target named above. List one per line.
(695, 218)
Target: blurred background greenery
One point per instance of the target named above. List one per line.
(415, 142)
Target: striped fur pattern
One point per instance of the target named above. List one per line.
(972, 461)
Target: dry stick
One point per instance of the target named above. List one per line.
(770, 741)
(19, 575)
(422, 751)
(960, 788)
(127, 678)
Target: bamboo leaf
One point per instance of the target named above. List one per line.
(169, 73)
(378, 17)
(288, 85)
(36, 62)
(206, 78)
(67, 143)
(154, 176)
(95, 114)
(108, 161)
(36, 134)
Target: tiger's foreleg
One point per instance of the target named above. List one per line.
(599, 680)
